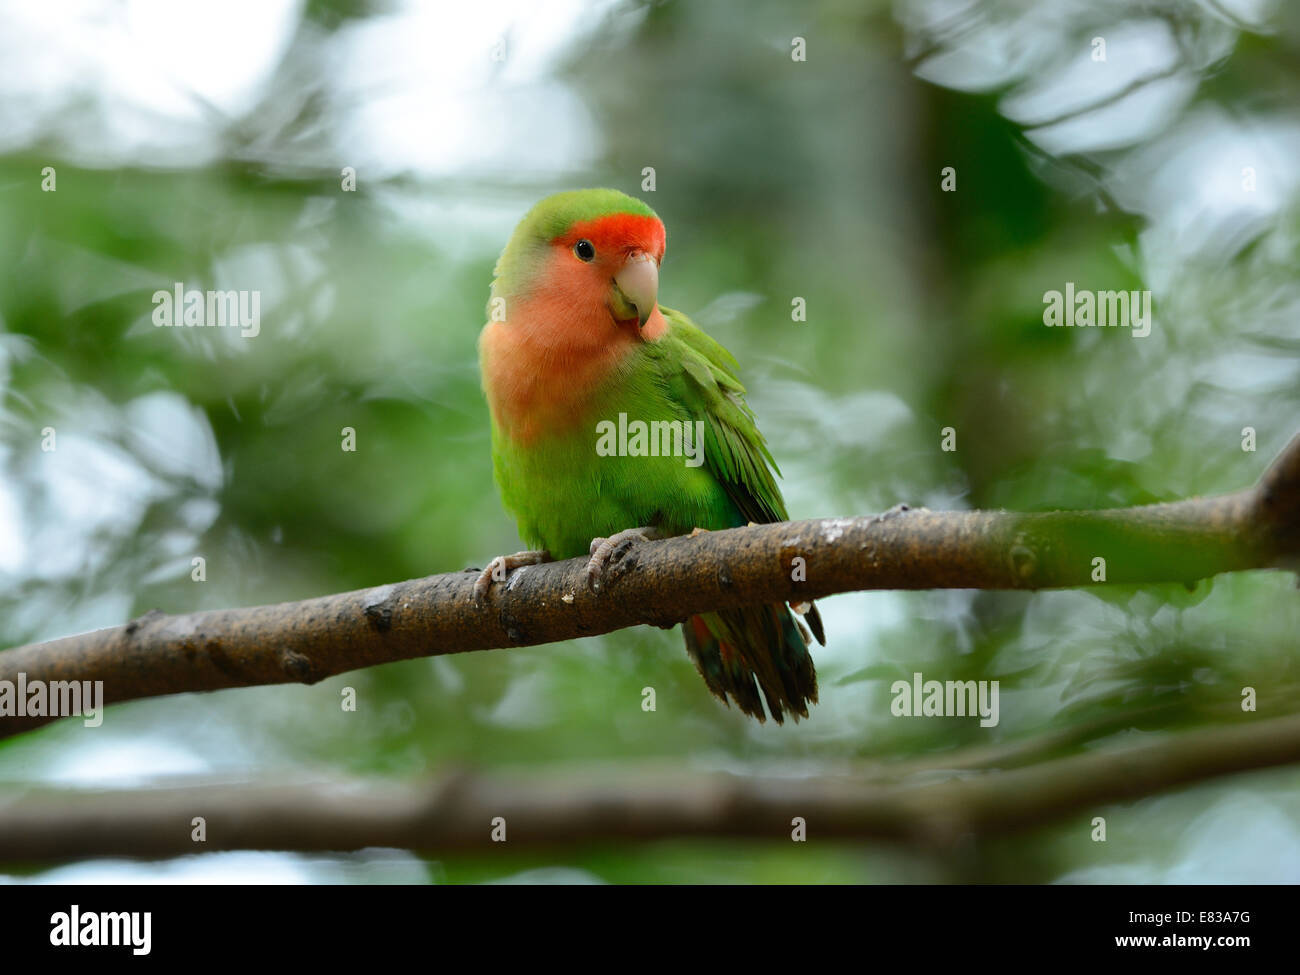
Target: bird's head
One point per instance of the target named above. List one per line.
(594, 254)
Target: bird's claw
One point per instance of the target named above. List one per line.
(603, 551)
(499, 568)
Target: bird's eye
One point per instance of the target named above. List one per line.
(584, 250)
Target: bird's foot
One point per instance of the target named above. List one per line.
(606, 550)
(500, 567)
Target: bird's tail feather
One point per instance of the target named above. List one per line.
(756, 654)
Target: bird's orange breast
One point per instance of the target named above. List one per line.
(557, 350)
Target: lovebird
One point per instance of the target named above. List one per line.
(576, 353)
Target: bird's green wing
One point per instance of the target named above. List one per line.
(701, 375)
(755, 649)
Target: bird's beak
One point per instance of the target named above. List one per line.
(636, 286)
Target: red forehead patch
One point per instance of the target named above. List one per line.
(619, 232)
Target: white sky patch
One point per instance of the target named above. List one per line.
(1244, 838)
(1256, 13)
(230, 49)
(153, 82)
(1115, 125)
(1209, 186)
(102, 490)
(428, 94)
(13, 547)
(1134, 51)
(216, 868)
(149, 72)
(122, 763)
(242, 867)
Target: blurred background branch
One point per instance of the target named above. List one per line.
(463, 811)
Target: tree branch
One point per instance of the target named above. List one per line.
(455, 813)
(660, 583)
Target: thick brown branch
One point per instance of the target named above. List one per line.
(662, 582)
(457, 812)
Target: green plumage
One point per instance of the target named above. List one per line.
(685, 376)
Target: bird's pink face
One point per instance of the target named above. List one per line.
(612, 262)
